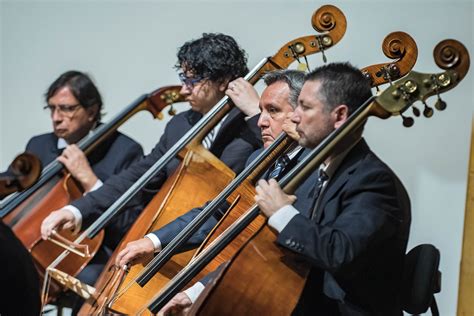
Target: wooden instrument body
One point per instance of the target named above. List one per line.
(26, 220)
(187, 188)
(270, 277)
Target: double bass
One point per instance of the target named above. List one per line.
(197, 167)
(25, 211)
(281, 273)
(396, 45)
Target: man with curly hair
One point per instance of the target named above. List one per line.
(207, 66)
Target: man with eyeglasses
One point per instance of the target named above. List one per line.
(75, 106)
(207, 64)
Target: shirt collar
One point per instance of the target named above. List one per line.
(294, 152)
(330, 167)
(62, 143)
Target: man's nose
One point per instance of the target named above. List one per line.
(56, 116)
(295, 118)
(185, 90)
(263, 121)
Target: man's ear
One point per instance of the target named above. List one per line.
(92, 112)
(223, 85)
(340, 114)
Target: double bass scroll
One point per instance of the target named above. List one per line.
(22, 173)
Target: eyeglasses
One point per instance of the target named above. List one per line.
(62, 108)
(189, 82)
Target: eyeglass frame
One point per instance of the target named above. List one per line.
(64, 109)
(189, 82)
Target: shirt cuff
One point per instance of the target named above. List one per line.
(77, 217)
(155, 240)
(282, 217)
(194, 291)
(97, 185)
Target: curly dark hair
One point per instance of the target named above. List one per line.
(81, 87)
(214, 56)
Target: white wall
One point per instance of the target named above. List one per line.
(129, 48)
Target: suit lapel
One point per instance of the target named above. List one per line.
(226, 130)
(342, 175)
(193, 117)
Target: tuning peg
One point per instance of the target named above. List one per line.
(322, 43)
(442, 81)
(407, 121)
(325, 60)
(428, 111)
(416, 111)
(368, 77)
(171, 111)
(440, 105)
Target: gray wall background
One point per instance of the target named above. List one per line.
(129, 49)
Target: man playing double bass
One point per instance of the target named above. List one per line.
(75, 106)
(277, 102)
(355, 231)
(208, 64)
(350, 219)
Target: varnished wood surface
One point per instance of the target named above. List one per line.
(187, 188)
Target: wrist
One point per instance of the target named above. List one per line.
(89, 182)
(251, 111)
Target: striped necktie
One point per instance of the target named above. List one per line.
(279, 166)
(211, 136)
(207, 141)
(322, 177)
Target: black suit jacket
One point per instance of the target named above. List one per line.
(357, 241)
(112, 156)
(235, 141)
(19, 282)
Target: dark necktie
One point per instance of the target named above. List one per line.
(322, 177)
(278, 167)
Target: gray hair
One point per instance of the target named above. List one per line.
(293, 78)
